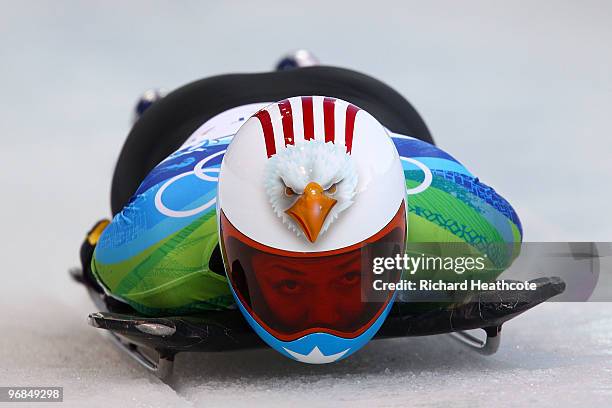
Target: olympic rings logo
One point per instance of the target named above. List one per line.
(426, 181)
(200, 172)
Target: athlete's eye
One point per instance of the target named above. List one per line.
(289, 287)
(332, 189)
(350, 279)
(289, 192)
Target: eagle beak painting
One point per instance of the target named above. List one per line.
(311, 209)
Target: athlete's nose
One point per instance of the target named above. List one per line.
(323, 312)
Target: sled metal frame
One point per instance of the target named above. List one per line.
(159, 363)
(486, 347)
(154, 342)
(162, 367)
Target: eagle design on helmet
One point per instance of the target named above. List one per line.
(310, 182)
(309, 185)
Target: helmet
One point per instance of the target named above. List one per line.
(311, 190)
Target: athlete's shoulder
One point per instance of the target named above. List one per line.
(167, 233)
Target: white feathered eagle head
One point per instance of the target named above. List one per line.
(309, 184)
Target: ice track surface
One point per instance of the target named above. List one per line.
(555, 356)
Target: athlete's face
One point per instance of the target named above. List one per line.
(294, 294)
(310, 293)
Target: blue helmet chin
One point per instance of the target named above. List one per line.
(316, 348)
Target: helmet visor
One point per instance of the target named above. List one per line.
(292, 294)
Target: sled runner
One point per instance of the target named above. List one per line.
(154, 342)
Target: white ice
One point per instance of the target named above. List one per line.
(519, 91)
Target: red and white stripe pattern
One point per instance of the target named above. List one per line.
(307, 118)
